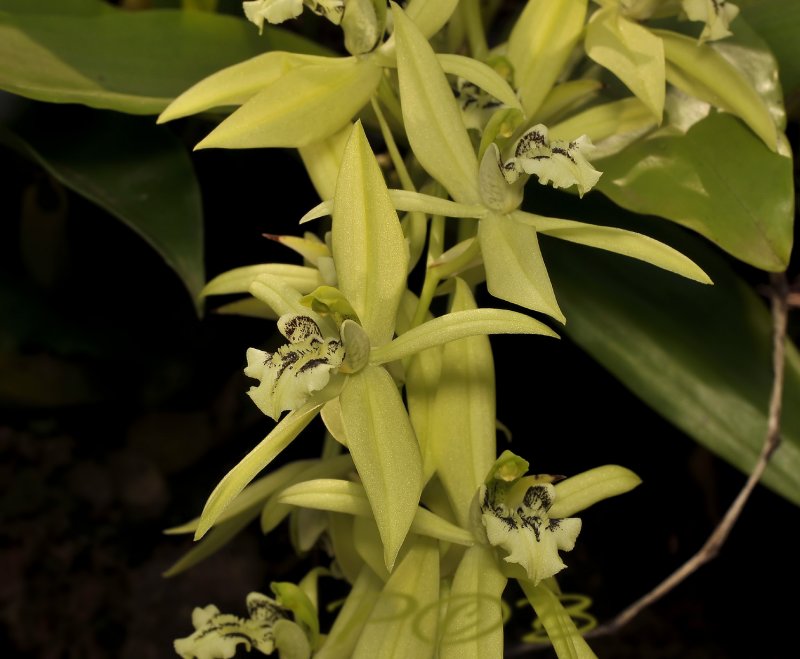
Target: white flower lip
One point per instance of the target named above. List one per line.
(716, 14)
(559, 162)
(295, 371)
(516, 519)
(272, 11)
(217, 634)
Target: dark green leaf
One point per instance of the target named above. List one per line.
(85, 51)
(718, 179)
(699, 355)
(135, 170)
(778, 23)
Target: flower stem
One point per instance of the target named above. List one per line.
(476, 36)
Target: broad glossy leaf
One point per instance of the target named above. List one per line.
(200, 5)
(305, 105)
(136, 171)
(265, 452)
(750, 54)
(463, 414)
(368, 245)
(385, 451)
(56, 7)
(703, 360)
(541, 41)
(403, 621)
(458, 325)
(135, 62)
(432, 119)
(472, 628)
(701, 71)
(718, 179)
(515, 270)
(620, 241)
(778, 23)
(632, 53)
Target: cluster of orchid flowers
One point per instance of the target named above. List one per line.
(410, 493)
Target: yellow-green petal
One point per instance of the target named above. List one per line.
(587, 488)
(540, 44)
(620, 241)
(238, 280)
(458, 325)
(236, 84)
(472, 628)
(367, 239)
(340, 496)
(305, 105)
(560, 628)
(515, 270)
(462, 414)
(431, 115)
(631, 52)
(385, 452)
(413, 587)
(701, 71)
(343, 636)
(265, 452)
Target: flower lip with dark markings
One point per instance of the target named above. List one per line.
(291, 374)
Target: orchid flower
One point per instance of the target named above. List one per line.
(289, 623)
(217, 635)
(340, 342)
(646, 58)
(278, 11)
(515, 512)
(716, 14)
(507, 238)
(292, 373)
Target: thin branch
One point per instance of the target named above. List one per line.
(779, 295)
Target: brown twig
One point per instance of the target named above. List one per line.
(779, 295)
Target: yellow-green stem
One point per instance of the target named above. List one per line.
(476, 36)
(434, 275)
(391, 145)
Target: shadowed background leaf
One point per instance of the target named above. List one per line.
(137, 171)
(718, 179)
(86, 51)
(698, 355)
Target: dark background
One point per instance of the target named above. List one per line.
(120, 410)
